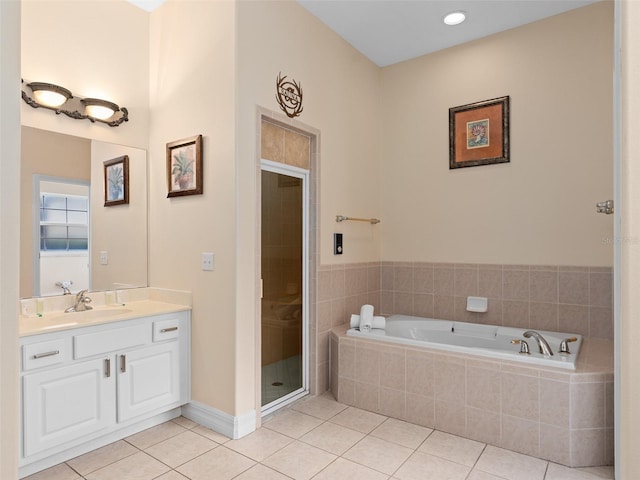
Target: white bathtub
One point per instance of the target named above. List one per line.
(477, 339)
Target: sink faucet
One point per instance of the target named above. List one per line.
(545, 349)
(81, 303)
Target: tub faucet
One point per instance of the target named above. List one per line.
(81, 303)
(545, 349)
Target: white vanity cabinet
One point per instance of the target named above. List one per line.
(101, 382)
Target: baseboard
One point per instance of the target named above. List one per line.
(221, 422)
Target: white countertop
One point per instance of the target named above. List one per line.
(59, 320)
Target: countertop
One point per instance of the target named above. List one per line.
(59, 320)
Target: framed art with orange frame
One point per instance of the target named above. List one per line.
(479, 133)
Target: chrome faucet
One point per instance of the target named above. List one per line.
(81, 303)
(544, 347)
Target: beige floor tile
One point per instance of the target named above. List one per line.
(402, 433)
(358, 419)
(343, 469)
(184, 422)
(607, 473)
(323, 406)
(299, 460)
(59, 472)
(210, 434)
(510, 465)
(181, 448)
(92, 461)
(560, 472)
(260, 444)
(480, 475)
(219, 464)
(332, 438)
(292, 424)
(157, 434)
(383, 456)
(451, 447)
(172, 475)
(421, 466)
(139, 466)
(260, 472)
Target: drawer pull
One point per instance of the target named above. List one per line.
(46, 354)
(170, 329)
(107, 367)
(123, 363)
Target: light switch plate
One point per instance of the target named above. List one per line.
(104, 258)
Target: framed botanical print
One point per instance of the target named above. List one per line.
(479, 133)
(116, 181)
(184, 166)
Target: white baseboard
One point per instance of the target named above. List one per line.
(221, 422)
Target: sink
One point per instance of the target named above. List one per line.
(95, 314)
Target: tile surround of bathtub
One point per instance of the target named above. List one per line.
(556, 298)
(565, 417)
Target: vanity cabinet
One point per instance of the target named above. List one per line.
(85, 383)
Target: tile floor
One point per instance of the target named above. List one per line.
(316, 438)
(281, 378)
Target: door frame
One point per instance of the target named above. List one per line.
(303, 175)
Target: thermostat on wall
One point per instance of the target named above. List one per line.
(337, 244)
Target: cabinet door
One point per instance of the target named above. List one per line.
(148, 379)
(67, 403)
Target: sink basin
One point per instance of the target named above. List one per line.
(96, 314)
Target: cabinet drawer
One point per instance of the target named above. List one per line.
(43, 354)
(166, 329)
(111, 340)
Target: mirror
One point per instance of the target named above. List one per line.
(67, 233)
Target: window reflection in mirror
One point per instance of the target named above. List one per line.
(61, 235)
(114, 243)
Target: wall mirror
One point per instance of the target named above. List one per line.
(68, 236)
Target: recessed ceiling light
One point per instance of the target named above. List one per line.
(454, 18)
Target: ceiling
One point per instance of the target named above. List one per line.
(391, 31)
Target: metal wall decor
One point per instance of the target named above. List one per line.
(289, 96)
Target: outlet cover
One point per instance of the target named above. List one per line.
(208, 261)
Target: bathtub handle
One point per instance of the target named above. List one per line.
(564, 344)
(524, 346)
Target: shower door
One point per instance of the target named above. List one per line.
(284, 285)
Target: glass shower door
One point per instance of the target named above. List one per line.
(283, 288)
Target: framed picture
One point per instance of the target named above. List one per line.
(479, 133)
(184, 166)
(116, 181)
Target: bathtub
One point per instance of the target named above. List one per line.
(484, 340)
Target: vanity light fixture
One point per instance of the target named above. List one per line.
(454, 18)
(61, 100)
(99, 109)
(49, 95)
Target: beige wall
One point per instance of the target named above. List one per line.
(120, 230)
(540, 207)
(95, 49)
(192, 91)
(629, 314)
(340, 99)
(45, 153)
(9, 237)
